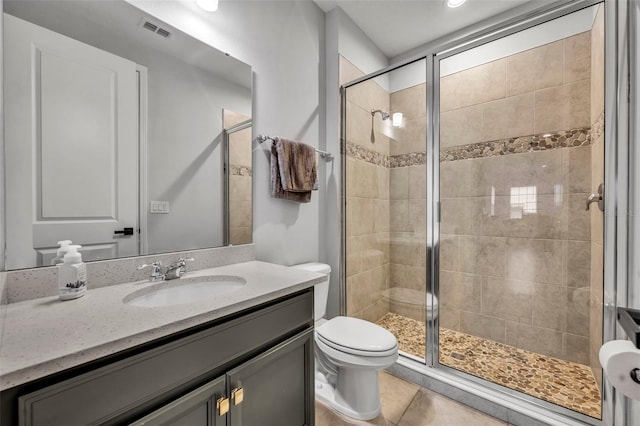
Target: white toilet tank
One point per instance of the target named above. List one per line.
(321, 290)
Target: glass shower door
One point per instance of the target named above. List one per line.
(385, 189)
(521, 148)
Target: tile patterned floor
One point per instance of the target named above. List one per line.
(561, 382)
(406, 404)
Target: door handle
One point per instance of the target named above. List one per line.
(124, 231)
(597, 198)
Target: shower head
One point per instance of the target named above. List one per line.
(384, 115)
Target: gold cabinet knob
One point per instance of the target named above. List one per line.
(237, 396)
(222, 404)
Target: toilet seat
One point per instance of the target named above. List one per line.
(357, 337)
(356, 352)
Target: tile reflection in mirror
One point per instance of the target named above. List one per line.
(239, 178)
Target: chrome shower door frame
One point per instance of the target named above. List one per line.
(615, 231)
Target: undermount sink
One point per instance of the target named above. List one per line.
(184, 290)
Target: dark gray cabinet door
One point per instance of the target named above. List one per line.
(276, 387)
(197, 408)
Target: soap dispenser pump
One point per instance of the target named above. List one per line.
(62, 250)
(72, 275)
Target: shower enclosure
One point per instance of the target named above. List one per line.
(467, 229)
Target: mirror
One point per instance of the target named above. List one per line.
(114, 134)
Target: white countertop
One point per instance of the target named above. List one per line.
(44, 336)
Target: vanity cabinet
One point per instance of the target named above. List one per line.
(259, 361)
(267, 390)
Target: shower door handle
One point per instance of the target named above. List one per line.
(597, 198)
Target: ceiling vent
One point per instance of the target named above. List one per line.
(148, 25)
(164, 33)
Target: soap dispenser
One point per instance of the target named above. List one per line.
(62, 250)
(72, 275)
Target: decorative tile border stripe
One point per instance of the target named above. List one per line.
(361, 153)
(597, 128)
(582, 136)
(389, 161)
(540, 142)
(406, 160)
(236, 170)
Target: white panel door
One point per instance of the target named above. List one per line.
(72, 144)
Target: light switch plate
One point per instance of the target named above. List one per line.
(159, 207)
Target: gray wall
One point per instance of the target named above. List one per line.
(284, 43)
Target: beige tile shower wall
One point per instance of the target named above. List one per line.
(597, 176)
(408, 204)
(541, 90)
(411, 136)
(367, 192)
(514, 272)
(240, 206)
(361, 99)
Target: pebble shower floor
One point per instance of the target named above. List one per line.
(565, 383)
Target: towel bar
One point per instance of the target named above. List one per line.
(323, 154)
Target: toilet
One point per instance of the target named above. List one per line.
(349, 353)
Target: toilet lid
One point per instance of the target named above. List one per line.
(357, 334)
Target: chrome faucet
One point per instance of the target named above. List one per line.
(177, 268)
(171, 272)
(156, 271)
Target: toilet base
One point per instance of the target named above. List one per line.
(367, 397)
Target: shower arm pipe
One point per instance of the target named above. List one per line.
(324, 154)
